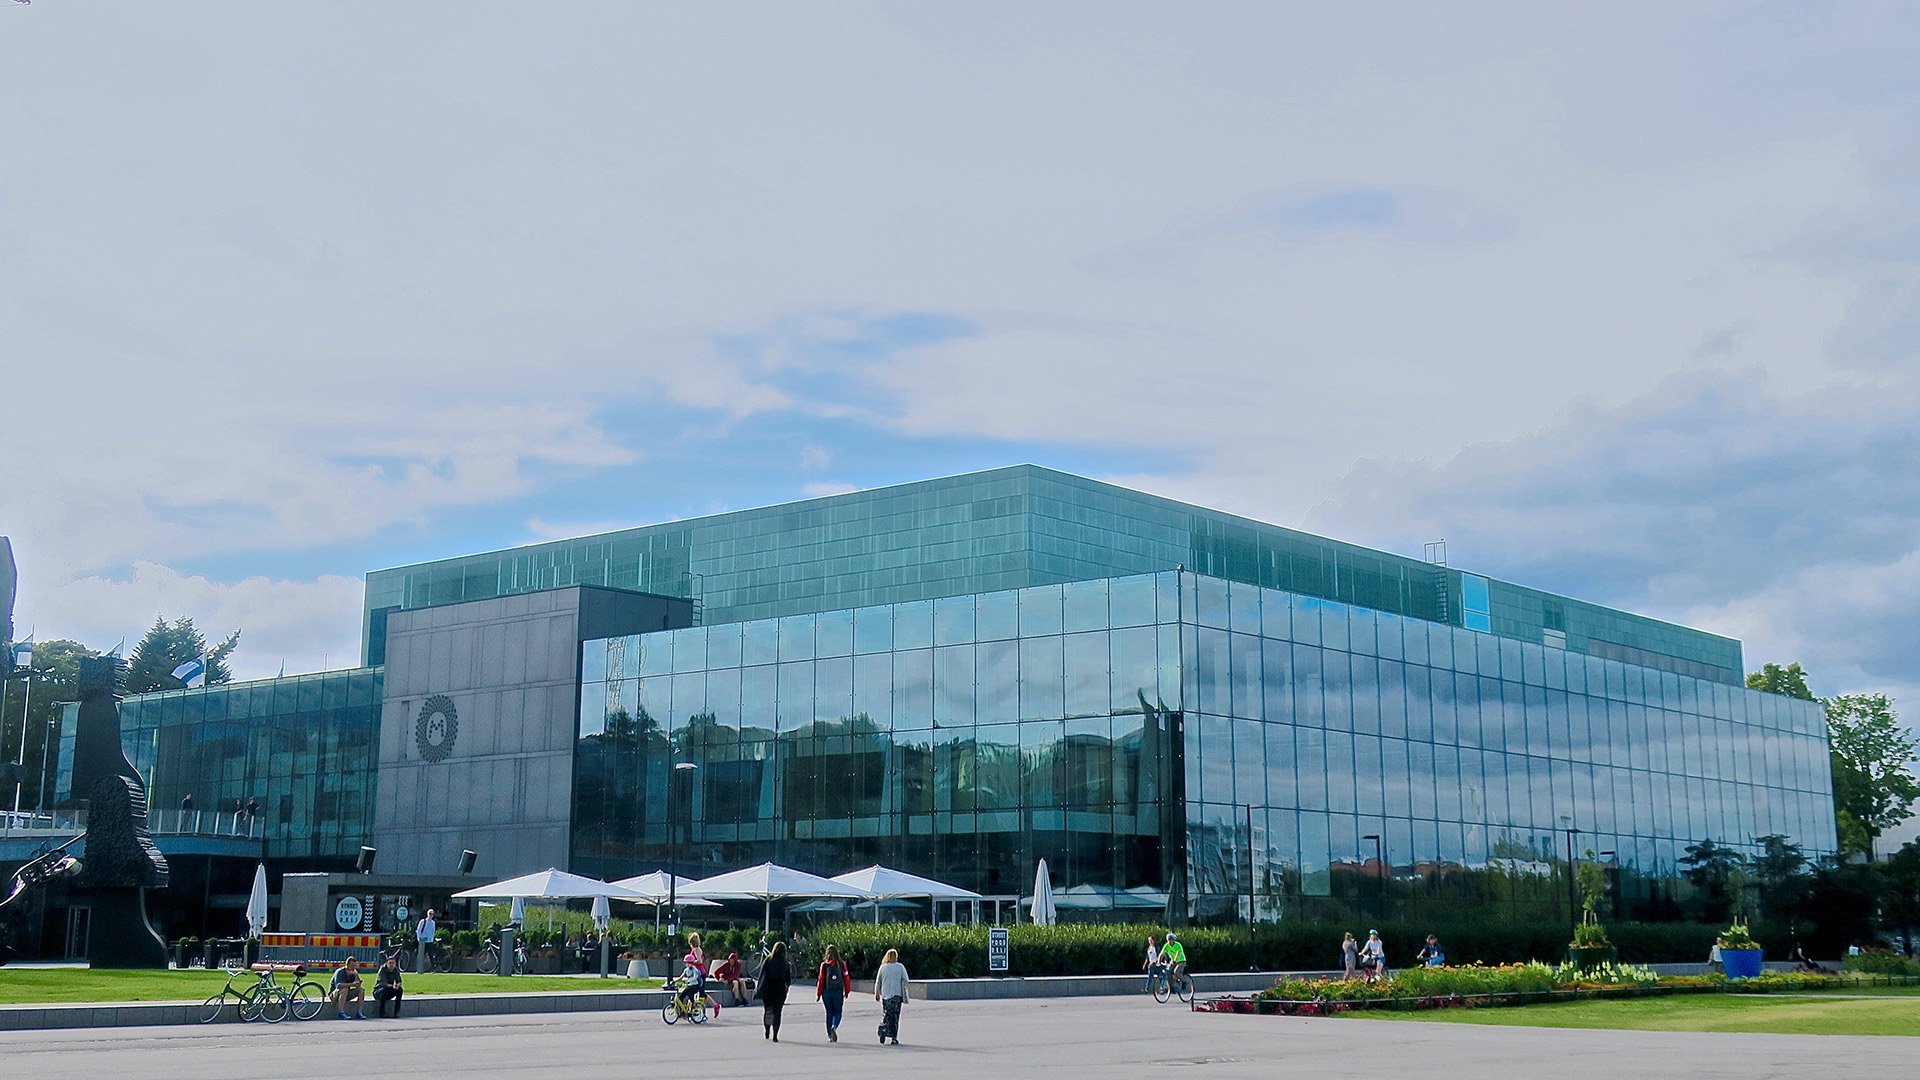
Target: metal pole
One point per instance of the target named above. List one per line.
(1573, 911)
(26, 709)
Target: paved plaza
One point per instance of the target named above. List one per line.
(975, 1040)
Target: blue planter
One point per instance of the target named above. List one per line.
(1740, 963)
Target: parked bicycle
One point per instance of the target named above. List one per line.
(265, 999)
(438, 959)
(488, 958)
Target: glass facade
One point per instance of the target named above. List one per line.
(1167, 733)
(306, 746)
(1013, 528)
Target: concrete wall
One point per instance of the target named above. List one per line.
(505, 787)
(511, 668)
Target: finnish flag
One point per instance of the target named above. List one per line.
(23, 654)
(192, 671)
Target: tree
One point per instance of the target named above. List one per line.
(1780, 875)
(1873, 782)
(1789, 681)
(55, 678)
(1901, 902)
(1710, 866)
(166, 646)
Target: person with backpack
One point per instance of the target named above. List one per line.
(776, 977)
(831, 988)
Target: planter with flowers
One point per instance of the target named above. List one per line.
(1740, 954)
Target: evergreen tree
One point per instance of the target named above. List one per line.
(167, 645)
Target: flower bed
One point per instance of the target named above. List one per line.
(1507, 985)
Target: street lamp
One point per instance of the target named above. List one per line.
(1573, 906)
(673, 867)
(1380, 856)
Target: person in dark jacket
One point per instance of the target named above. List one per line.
(831, 989)
(776, 977)
(386, 986)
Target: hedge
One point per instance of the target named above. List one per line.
(1107, 949)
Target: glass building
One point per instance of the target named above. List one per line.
(305, 746)
(1171, 735)
(1183, 711)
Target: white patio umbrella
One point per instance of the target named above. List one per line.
(886, 883)
(547, 885)
(257, 903)
(654, 887)
(769, 882)
(1043, 910)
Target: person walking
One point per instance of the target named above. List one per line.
(386, 986)
(1152, 964)
(1350, 956)
(776, 978)
(831, 989)
(890, 990)
(423, 934)
(1375, 953)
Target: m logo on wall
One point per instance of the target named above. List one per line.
(437, 728)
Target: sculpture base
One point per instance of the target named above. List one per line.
(119, 935)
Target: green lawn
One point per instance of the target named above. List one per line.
(22, 986)
(1889, 1011)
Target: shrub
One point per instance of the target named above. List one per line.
(1590, 935)
(1738, 937)
(1882, 962)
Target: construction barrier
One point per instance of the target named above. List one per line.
(321, 950)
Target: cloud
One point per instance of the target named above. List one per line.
(307, 625)
(1790, 520)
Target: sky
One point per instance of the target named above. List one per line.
(1624, 302)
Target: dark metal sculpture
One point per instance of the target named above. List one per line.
(121, 861)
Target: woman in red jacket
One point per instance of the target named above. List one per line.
(832, 988)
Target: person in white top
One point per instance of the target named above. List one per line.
(890, 990)
(424, 934)
(1152, 965)
(1374, 955)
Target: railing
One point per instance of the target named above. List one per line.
(159, 823)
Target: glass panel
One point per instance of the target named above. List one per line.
(998, 616)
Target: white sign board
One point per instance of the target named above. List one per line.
(997, 949)
(348, 913)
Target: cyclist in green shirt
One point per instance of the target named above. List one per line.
(1174, 956)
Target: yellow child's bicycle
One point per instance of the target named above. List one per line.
(696, 1007)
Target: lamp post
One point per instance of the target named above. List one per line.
(673, 867)
(1573, 908)
(1380, 856)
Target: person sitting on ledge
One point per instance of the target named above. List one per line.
(347, 989)
(387, 986)
(734, 976)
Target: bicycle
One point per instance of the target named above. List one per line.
(438, 959)
(695, 1007)
(264, 1000)
(487, 960)
(1172, 983)
(306, 997)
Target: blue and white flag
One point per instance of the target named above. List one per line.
(194, 670)
(23, 653)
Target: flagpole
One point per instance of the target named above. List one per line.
(25, 711)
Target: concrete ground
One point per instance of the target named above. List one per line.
(1104, 1038)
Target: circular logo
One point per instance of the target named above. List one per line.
(436, 728)
(348, 913)
(400, 913)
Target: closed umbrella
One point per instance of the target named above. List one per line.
(257, 903)
(1043, 910)
(601, 917)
